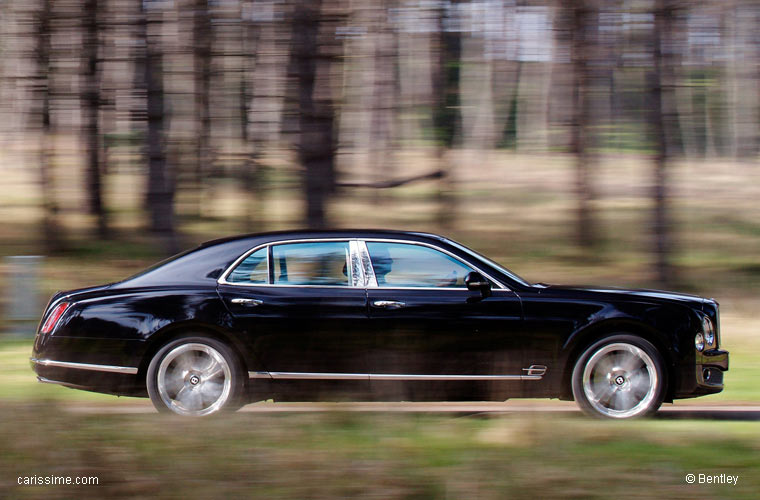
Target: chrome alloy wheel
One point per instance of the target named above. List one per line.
(194, 379)
(620, 380)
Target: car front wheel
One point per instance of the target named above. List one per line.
(621, 376)
(195, 376)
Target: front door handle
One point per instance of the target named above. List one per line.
(247, 302)
(389, 304)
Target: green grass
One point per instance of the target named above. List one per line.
(346, 455)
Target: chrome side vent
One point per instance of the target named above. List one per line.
(535, 370)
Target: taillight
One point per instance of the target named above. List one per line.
(54, 316)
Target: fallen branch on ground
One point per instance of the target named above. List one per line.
(437, 174)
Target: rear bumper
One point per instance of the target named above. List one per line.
(108, 379)
(126, 370)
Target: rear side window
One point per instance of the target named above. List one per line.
(313, 263)
(253, 269)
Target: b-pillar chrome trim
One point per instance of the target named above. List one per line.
(362, 254)
(358, 273)
(389, 376)
(127, 370)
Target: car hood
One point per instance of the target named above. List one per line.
(659, 295)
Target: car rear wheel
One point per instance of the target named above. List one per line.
(195, 376)
(621, 376)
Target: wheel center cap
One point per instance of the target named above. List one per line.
(620, 380)
(195, 379)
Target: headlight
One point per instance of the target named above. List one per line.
(709, 331)
(699, 342)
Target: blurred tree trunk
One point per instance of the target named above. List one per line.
(662, 116)
(581, 51)
(446, 52)
(137, 110)
(91, 114)
(202, 70)
(314, 51)
(269, 93)
(744, 103)
(251, 182)
(160, 193)
(50, 225)
(384, 95)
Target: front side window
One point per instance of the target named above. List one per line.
(406, 265)
(253, 269)
(313, 263)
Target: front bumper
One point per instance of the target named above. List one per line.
(709, 370)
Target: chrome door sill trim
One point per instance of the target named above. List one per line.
(128, 370)
(309, 376)
(382, 376)
(393, 376)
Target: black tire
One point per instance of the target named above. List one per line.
(621, 376)
(196, 376)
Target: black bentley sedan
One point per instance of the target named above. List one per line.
(373, 315)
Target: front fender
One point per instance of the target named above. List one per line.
(670, 328)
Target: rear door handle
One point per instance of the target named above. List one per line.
(247, 302)
(389, 304)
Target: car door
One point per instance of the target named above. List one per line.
(303, 311)
(432, 334)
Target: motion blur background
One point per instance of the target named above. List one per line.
(576, 141)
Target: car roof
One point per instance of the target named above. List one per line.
(273, 236)
(206, 262)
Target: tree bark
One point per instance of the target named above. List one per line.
(202, 69)
(582, 47)
(446, 53)
(51, 229)
(251, 178)
(661, 118)
(160, 192)
(383, 96)
(314, 51)
(91, 101)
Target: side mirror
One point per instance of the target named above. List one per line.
(477, 283)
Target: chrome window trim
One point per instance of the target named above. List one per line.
(269, 285)
(128, 370)
(359, 256)
(434, 247)
(223, 278)
(349, 274)
(240, 261)
(382, 376)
